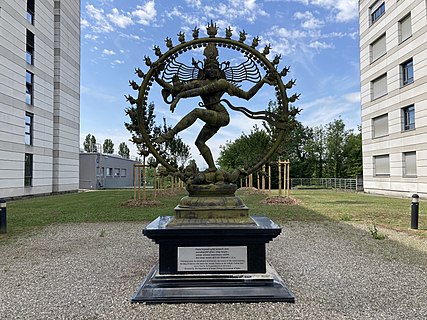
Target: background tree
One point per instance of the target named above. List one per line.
(353, 151)
(336, 137)
(244, 151)
(108, 146)
(314, 152)
(178, 151)
(133, 127)
(89, 144)
(315, 147)
(124, 150)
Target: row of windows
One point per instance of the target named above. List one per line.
(404, 26)
(29, 79)
(117, 172)
(29, 55)
(376, 11)
(29, 84)
(378, 48)
(29, 120)
(379, 85)
(28, 170)
(30, 11)
(380, 123)
(409, 164)
(30, 48)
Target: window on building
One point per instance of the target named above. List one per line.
(405, 28)
(28, 170)
(29, 91)
(408, 118)
(382, 165)
(378, 48)
(407, 69)
(377, 10)
(117, 172)
(29, 128)
(109, 172)
(380, 126)
(123, 172)
(379, 87)
(30, 11)
(30, 47)
(409, 164)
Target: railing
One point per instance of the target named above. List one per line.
(327, 183)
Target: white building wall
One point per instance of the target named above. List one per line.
(66, 95)
(13, 108)
(397, 141)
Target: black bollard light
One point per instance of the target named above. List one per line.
(415, 207)
(3, 227)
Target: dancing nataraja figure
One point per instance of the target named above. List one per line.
(211, 84)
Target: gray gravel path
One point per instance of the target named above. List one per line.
(90, 271)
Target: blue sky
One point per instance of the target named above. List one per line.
(318, 39)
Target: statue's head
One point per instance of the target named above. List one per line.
(211, 66)
(212, 70)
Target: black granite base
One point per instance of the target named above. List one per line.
(225, 288)
(170, 236)
(212, 261)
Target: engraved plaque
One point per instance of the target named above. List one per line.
(233, 258)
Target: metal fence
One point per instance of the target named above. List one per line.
(328, 183)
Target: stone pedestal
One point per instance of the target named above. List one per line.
(212, 260)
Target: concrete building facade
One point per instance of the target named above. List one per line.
(393, 64)
(105, 171)
(39, 96)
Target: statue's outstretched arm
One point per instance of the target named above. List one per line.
(195, 92)
(164, 84)
(198, 89)
(235, 91)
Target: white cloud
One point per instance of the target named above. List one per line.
(107, 52)
(146, 13)
(194, 3)
(189, 19)
(101, 22)
(247, 10)
(352, 35)
(326, 109)
(130, 36)
(91, 36)
(309, 21)
(353, 97)
(320, 45)
(343, 10)
(84, 23)
(347, 10)
(244, 9)
(119, 19)
(288, 34)
(117, 62)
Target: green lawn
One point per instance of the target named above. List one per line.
(314, 205)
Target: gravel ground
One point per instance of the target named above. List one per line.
(90, 271)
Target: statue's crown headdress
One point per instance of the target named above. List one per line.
(211, 54)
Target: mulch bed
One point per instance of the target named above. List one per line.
(281, 201)
(142, 203)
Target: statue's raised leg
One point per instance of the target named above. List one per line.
(183, 124)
